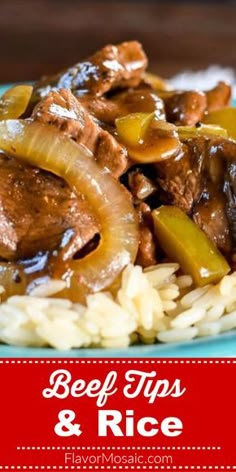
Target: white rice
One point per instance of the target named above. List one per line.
(151, 305)
(204, 79)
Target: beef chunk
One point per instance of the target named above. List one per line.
(224, 149)
(147, 247)
(63, 110)
(111, 67)
(103, 109)
(185, 108)
(230, 193)
(210, 215)
(182, 178)
(212, 212)
(39, 212)
(140, 185)
(218, 97)
(224, 152)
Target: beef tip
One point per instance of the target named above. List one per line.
(146, 256)
(39, 212)
(218, 97)
(182, 178)
(103, 109)
(210, 215)
(112, 67)
(106, 110)
(223, 152)
(147, 247)
(63, 110)
(185, 108)
(213, 212)
(223, 148)
(230, 193)
(140, 185)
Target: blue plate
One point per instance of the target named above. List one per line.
(215, 346)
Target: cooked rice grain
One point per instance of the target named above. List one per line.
(177, 335)
(151, 304)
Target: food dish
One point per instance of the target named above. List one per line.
(140, 156)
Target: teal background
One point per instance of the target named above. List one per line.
(223, 345)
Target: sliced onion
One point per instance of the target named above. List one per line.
(147, 138)
(45, 147)
(156, 82)
(15, 101)
(207, 131)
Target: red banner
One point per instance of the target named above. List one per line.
(129, 415)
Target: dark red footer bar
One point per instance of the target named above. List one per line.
(117, 415)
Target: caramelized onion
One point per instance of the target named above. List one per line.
(208, 131)
(43, 146)
(226, 118)
(15, 101)
(156, 82)
(147, 138)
